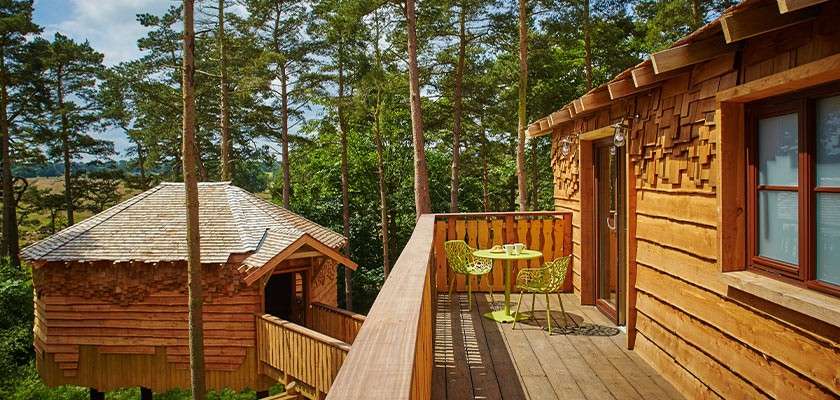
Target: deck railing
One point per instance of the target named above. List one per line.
(289, 352)
(392, 355)
(332, 321)
(547, 231)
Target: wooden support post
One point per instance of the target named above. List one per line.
(96, 395)
(146, 394)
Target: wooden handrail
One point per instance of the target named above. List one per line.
(498, 214)
(381, 364)
(346, 313)
(332, 321)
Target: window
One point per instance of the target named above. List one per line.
(794, 188)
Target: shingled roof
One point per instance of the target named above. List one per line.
(151, 227)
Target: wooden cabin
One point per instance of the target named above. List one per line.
(111, 294)
(712, 231)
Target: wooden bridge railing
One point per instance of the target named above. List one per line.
(335, 322)
(392, 355)
(547, 231)
(292, 353)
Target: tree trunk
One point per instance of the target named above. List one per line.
(284, 98)
(587, 44)
(10, 243)
(380, 159)
(458, 110)
(523, 90)
(695, 14)
(345, 191)
(65, 150)
(224, 106)
(196, 296)
(141, 163)
(383, 195)
(422, 202)
(535, 177)
(485, 182)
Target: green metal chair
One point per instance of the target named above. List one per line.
(462, 261)
(545, 280)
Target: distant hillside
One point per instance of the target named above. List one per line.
(57, 168)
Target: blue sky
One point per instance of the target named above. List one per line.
(110, 26)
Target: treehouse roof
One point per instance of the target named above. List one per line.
(151, 227)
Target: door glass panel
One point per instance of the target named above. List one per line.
(778, 226)
(778, 145)
(828, 237)
(828, 142)
(607, 276)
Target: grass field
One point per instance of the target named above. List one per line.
(36, 225)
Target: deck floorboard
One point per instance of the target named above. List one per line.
(476, 358)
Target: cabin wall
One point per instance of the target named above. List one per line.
(325, 282)
(109, 326)
(706, 344)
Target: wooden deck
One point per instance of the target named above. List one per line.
(475, 358)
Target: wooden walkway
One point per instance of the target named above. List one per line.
(476, 358)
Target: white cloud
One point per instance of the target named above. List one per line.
(110, 25)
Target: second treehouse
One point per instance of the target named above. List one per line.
(111, 301)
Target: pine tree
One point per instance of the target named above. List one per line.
(15, 24)
(523, 92)
(196, 296)
(71, 111)
(422, 201)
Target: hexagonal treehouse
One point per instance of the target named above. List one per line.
(111, 294)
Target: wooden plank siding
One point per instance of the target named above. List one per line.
(548, 232)
(707, 344)
(95, 343)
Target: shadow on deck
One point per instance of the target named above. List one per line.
(475, 358)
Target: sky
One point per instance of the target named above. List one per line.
(110, 26)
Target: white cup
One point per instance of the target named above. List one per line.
(510, 249)
(518, 247)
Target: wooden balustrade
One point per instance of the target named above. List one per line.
(335, 322)
(547, 231)
(392, 355)
(289, 352)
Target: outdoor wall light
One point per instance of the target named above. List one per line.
(566, 146)
(620, 133)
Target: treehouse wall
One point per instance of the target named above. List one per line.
(108, 326)
(706, 344)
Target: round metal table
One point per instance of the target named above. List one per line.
(504, 315)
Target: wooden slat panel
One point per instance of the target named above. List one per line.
(335, 322)
(768, 374)
(291, 349)
(807, 355)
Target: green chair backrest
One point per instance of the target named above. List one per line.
(553, 274)
(459, 255)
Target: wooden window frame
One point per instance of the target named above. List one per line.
(803, 104)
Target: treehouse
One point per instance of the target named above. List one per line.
(111, 296)
(701, 192)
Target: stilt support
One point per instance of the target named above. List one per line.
(262, 394)
(96, 395)
(146, 394)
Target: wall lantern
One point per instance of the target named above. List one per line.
(566, 146)
(620, 131)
